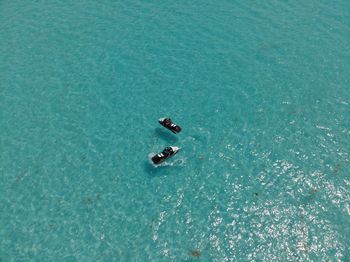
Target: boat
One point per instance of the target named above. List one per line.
(169, 124)
(167, 153)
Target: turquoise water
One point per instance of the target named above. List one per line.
(261, 89)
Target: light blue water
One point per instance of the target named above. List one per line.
(261, 89)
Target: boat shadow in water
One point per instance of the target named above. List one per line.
(163, 169)
(166, 135)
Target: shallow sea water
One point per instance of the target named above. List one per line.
(261, 90)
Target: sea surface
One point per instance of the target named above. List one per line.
(260, 88)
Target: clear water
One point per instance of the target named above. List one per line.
(261, 89)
